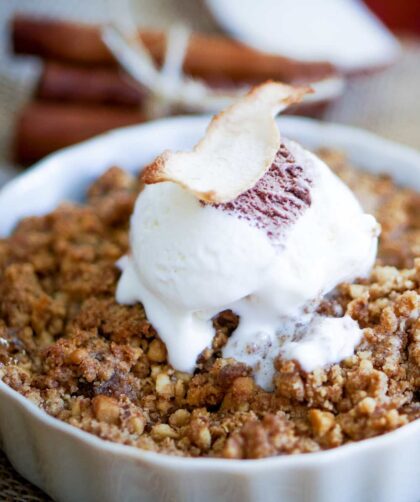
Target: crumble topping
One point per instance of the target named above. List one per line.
(66, 344)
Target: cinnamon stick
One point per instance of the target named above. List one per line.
(43, 127)
(101, 85)
(208, 56)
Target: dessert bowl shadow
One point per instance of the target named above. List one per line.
(72, 465)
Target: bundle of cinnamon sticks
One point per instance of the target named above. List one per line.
(83, 92)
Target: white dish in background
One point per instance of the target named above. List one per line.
(342, 32)
(72, 466)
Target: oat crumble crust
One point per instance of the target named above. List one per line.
(66, 345)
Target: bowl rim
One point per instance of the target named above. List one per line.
(231, 466)
(343, 135)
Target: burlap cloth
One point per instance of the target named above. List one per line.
(387, 103)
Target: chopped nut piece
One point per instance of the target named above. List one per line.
(367, 406)
(200, 434)
(163, 431)
(136, 425)
(321, 421)
(164, 386)
(157, 351)
(179, 418)
(106, 409)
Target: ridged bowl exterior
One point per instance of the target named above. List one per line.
(73, 466)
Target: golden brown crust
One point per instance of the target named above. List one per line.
(67, 345)
(153, 172)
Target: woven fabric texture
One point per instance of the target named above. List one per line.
(14, 488)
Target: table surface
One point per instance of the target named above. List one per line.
(387, 103)
(14, 488)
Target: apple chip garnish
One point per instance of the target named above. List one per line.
(238, 148)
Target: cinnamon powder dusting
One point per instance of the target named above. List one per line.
(277, 200)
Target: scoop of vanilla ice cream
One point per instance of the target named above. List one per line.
(187, 263)
(190, 261)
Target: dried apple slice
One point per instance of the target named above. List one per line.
(239, 146)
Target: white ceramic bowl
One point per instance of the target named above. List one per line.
(71, 465)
